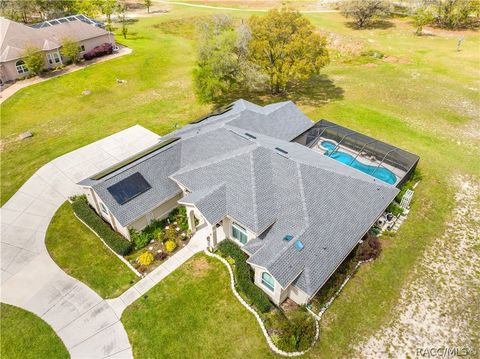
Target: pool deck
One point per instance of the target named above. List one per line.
(363, 159)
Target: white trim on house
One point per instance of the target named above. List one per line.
(21, 67)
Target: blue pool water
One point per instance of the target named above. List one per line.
(381, 173)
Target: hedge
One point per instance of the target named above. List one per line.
(114, 240)
(243, 276)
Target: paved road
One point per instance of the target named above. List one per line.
(30, 279)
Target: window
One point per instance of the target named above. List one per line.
(267, 281)
(104, 208)
(239, 233)
(21, 67)
(82, 48)
(54, 58)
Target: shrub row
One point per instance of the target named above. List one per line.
(243, 276)
(114, 240)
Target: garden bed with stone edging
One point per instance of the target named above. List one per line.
(317, 317)
(272, 346)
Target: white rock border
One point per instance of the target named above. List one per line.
(272, 346)
(317, 317)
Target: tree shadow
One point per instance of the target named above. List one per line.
(317, 91)
(372, 25)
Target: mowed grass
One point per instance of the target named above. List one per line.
(192, 313)
(423, 97)
(81, 254)
(26, 336)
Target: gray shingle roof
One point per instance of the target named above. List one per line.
(211, 202)
(324, 203)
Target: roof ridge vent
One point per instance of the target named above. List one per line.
(250, 135)
(281, 150)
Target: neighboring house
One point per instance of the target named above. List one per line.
(16, 37)
(296, 212)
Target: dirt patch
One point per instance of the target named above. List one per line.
(439, 307)
(199, 267)
(370, 65)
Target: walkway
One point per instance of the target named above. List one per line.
(197, 243)
(13, 88)
(31, 280)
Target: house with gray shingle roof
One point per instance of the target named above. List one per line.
(296, 212)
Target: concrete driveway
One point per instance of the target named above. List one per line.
(30, 279)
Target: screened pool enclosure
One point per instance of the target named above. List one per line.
(374, 157)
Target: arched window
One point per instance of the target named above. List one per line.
(21, 67)
(267, 281)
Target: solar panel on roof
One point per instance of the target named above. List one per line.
(299, 245)
(129, 188)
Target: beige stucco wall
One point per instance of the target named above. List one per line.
(9, 71)
(91, 43)
(297, 295)
(227, 228)
(278, 295)
(158, 213)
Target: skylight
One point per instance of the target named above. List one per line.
(129, 188)
(288, 237)
(298, 244)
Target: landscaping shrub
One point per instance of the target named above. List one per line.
(160, 256)
(140, 239)
(298, 332)
(171, 233)
(395, 209)
(159, 234)
(114, 240)
(170, 246)
(335, 281)
(243, 276)
(417, 176)
(146, 258)
(369, 249)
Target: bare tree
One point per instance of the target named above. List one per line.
(364, 11)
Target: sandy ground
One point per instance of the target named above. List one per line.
(441, 306)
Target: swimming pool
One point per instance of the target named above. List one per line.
(381, 173)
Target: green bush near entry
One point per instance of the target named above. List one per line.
(243, 276)
(114, 240)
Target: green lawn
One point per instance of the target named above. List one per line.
(424, 97)
(193, 314)
(25, 336)
(83, 255)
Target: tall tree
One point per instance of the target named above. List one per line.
(148, 3)
(122, 13)
(34, 60)
(364, 11)
(285, 47)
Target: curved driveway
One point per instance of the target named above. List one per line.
(30, 279)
